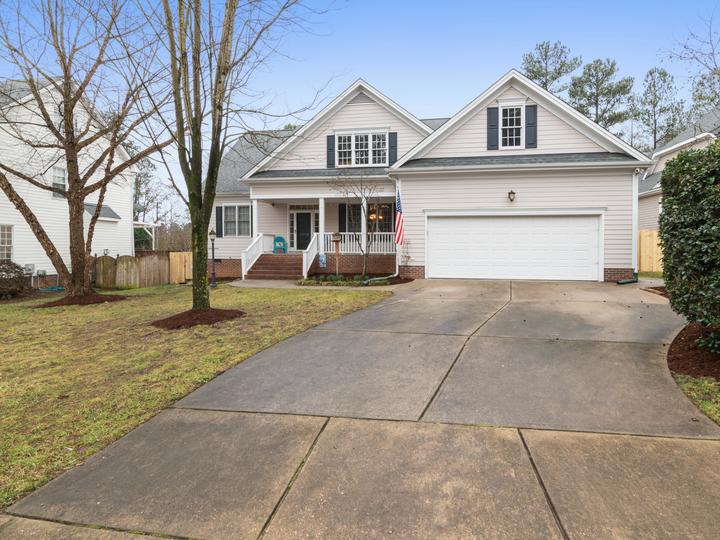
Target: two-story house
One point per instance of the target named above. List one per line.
(516, 185)
(114, 229)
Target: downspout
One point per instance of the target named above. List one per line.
(397, 251)
(635, 180)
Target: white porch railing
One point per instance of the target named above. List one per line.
(262, 243)
(309, 254)
(382, 242)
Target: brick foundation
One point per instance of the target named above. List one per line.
(414, 272)
(614, 274)
(226, 268)
(352, 264)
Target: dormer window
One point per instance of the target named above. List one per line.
(362, 149)
(511, 126)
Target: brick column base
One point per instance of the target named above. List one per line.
(226, 268)
(614, 274)
(414, 272)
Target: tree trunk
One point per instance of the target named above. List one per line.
(78, 283)
(200, 289)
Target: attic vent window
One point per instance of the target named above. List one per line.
(511, 127)
(362, 149)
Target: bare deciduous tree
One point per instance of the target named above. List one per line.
(701, 51)
(362, 192)
(213, 52)
(71, 104)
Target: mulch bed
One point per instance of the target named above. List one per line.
(662, 291)
(191, 317)
(400, 280)
(686, 357)
(83, 300)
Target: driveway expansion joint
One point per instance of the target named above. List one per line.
(548, 499)
(459, 353)
(291, 482)
(93, 526)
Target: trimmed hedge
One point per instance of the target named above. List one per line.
(690, 237)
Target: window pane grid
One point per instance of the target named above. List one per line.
(360, 149)
(5, 242)
(344, 145)
(379, 149)
(511, 133)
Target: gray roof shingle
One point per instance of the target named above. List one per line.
(105, 211)
(322, 173)
(707, 123)
(249, 150)
(531, 159)
(651, 181)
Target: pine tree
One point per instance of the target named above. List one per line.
(657, 109)
(548, 63)
(598, 95)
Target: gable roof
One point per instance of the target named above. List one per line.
(651, 182)
(589, 128)
(353, 91)
(708, 123)
(249, 150)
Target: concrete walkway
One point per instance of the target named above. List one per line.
(376, 425)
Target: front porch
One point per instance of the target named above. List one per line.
(310, 229)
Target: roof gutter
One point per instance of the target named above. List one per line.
(519, 168)
(650, 192)
(686, 142)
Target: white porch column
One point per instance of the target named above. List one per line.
(255, 218)
(363, 225)
(321, 226)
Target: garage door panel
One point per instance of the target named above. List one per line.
(514, 247)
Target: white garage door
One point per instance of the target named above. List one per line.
(514, 247)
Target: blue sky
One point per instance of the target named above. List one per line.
(433, 57)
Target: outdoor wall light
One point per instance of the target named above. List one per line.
(511, 195)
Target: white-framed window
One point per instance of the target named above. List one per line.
(236, 220)
(6, 242)
(511, 126)
(361, 149)
(381, 217)
(59, 181)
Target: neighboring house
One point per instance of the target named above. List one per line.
(697, 136)
(114, 228)
(516, 185)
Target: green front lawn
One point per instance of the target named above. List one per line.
(73, 379)
(704, 392)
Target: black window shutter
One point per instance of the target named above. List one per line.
(492, 128)
(219, 221)
(251, 222)
(392, 147)
(341, 217)
(331, 151)
(531, 126)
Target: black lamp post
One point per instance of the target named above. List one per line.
(213, 236)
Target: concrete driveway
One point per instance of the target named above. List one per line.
(377, 425)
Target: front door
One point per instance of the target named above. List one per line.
(303, 225)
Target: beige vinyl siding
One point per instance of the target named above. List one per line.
(229, 247)
(470, 138)
(538, 190)
(311, 152)
(648, 212)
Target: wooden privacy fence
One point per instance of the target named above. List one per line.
(150, 269)
(649, 251)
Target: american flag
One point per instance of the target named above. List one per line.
(399, 226)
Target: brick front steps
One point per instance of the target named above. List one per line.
(277, 266)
